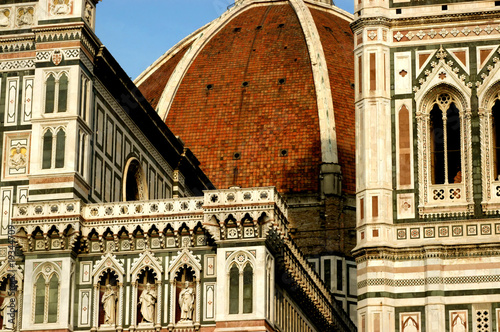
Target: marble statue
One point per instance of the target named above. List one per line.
(60, 7)
(25, 17)
(147, 302)
(4, 18)
(18, 158)
(109, 304)
(186, 302)
(7, 311)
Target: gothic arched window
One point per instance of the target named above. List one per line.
(241, 289)
(247, 289)
(50, 93)
(234, 290)
(135, 188)
(53, 158)
(446, 164)
(47, 150)
(495, 134)
(443, 119)
(56, 93)
(46, 299)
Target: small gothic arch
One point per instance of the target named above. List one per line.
(185, 258)
(108, 265)
(145, 260)
(146, 265)
(185, 261)
(135, 186)
(432, 96)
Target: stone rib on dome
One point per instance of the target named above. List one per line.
(265, 131)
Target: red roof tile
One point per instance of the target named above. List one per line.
(261, 46)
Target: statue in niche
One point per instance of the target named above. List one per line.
(18, 157)
(186, 302)
(147, 302)
(25, 17)
(4, 18)
(109, 305)
(7, 310)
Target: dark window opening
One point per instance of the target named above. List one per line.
(437, 146)
(60, 146)
(495, 112)
(444, 7)
(62, 103)
(327, 265)
(340, 273)
(446, 160)
(453, 145)
(135, 188)
(47, 150)
(234, 281)
(247, 289)
(50, 94)
(398, 11)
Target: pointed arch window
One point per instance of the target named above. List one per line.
(241, 289)
(47, 150)
(234, 290)
(446, 161)
(495, 131)
(46, 299)
(247, 289)
(56, 93)
(444, 152)
(53, 148)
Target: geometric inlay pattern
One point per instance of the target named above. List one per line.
(482, 321)
(429, 281)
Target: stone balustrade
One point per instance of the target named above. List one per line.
(161, 214)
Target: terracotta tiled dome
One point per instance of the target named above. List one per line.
(246, 94)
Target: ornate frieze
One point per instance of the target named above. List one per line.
(448, 33)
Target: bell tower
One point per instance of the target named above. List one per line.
(62, 102)
(67, 10)
(427, 91)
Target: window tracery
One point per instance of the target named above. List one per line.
(240, 274)
(444, 147)
(46, 292)
(56, 92)
(53, 158)
(489, 116)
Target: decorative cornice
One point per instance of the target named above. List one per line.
(363, 22)
(432, 251)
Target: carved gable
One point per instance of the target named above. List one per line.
(185, 258)
(146, 260)
(108, 262)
